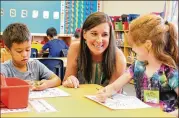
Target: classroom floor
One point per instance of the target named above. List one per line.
(129, 89)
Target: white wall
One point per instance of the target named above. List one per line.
(117, 8)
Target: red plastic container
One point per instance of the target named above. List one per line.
(15, 94)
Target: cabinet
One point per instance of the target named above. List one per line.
(41, 37)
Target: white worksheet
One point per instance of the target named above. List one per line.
(120, 101)
(6, 110)
(41, 105)
(50, 92)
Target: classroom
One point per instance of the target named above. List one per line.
(89, 59)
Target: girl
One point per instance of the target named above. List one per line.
(155, 72)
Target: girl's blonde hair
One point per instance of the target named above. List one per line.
(162, 34)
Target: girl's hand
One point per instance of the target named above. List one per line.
(71, 82)
(174, 113)
(40, 85)
(104, 93)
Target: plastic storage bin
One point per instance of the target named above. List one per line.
(15, 94)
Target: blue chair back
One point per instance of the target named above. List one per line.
(55, 65)
(63, 53)
(34, 53)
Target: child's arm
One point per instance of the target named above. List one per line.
(53, 81)
(111, 89)
(121, 81)
(44, 48)
(47, 77)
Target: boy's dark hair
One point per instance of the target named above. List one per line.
(16, 33)
(51, 32)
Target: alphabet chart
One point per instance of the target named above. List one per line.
(120, 101)
(50, 92)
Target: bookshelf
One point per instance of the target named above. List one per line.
(41, 36)
(121, 28)
(121, 37)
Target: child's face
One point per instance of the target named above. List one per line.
(141, 52)
(21, 52)
(97, 38)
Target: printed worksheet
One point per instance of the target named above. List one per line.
(120, 101)
(50, 92)
(6, 110)
(41, 105)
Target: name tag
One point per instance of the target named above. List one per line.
(151, 96)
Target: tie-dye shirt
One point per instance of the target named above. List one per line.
(165, 80)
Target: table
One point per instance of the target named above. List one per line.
(77, 105)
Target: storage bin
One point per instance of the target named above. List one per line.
(15, 94)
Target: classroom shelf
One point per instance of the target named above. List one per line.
(41, 36)
(121, 36)
(125, 46)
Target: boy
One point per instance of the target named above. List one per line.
(17, 41)
(54, 44)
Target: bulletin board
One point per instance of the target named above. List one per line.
(77, 12)
(65, 16)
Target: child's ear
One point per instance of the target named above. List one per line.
(148, 44)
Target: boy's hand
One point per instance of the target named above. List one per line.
(71, 82)
(104, 93)
(40, 85)
(30, 82)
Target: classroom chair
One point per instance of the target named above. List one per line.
(45, 54)
(63, 53)
(34, 53)
(55, 65)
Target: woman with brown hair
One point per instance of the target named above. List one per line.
(95, 59)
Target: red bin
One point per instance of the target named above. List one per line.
(15, 94)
